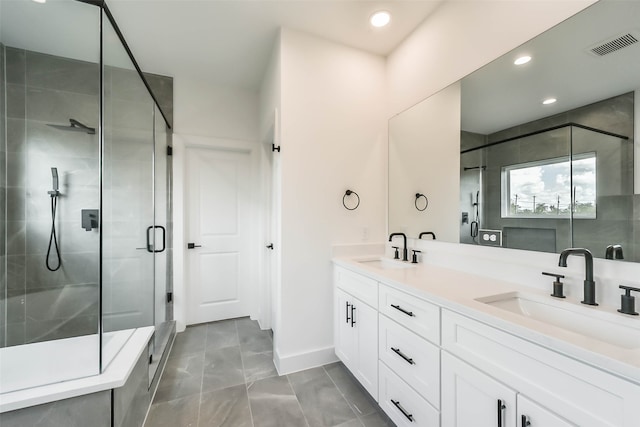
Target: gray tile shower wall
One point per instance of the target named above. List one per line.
(44, 89)
(3, 189)
(41, 90)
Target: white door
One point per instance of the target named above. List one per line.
(345, 338)
(365, 319)
(471, 398)
(218, 209)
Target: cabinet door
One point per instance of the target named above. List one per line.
(365, 319)
(531, 414)
(471, 398)
(345, 336)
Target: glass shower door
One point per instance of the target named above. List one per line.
(127, 198)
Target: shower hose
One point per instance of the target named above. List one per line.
(53, 239)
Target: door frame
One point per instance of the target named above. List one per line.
(181, 143)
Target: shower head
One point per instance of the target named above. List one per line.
(54, 174)
(75, 126)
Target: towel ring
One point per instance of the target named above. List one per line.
(426, 201)
(344, 202)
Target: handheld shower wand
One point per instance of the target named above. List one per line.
(53, 239)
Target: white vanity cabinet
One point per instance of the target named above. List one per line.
(356, 326)
(471, 398)
(549, 386)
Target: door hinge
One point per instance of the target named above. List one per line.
(169, 297)
(274, 148)
(169, 150)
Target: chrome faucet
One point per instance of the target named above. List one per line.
(405, 255)
(589, 283)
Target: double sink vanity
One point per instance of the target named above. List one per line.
(440, 347)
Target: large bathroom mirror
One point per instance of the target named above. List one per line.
(537, 174)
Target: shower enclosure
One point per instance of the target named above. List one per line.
(85, 179)
(565, 186)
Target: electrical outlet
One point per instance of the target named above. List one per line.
(490, 237)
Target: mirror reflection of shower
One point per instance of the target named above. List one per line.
(472, 181)
(53, 238)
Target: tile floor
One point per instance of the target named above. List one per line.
(221, 374)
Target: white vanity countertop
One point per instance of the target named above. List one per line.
(458, 291)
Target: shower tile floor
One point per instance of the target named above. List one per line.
(222, 374)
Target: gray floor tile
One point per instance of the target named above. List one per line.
(257, 342)
(182, 377)
(175, 413)
(246, 326)
(222, 369)
(322, 403)
(358, 398)
(258, 366)
(222, 334)
(228, 407)
(191, 341)
(273, 404)
(377, 419)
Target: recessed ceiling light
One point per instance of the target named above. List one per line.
(522, 60)
(380, 19)
(549, 101)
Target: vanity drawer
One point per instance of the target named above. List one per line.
(361, 287)
(402, 404)
(412, 358)
(417, 315)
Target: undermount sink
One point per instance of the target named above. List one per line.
(590, 322)
(385, 263)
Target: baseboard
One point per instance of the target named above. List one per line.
(301, 361)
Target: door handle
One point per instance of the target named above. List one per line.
(353, 315)
(193, 246)
(408, 313)
(347, 313)
(501, 408)
(396, 403)
(401, 354)
(164, 238)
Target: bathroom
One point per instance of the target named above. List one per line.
(328, 106)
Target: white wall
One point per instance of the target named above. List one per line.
(333, 138)
(204, 109)
(462, 36)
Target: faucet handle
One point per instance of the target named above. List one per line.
(627, 301)
(397, 255)
(414, 259)
(557, 285)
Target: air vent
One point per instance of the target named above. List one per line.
(615, 44)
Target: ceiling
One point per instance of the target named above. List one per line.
(230, 42)
(501, 95)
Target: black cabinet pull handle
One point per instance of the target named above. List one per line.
(399, 353)
(501, 408)
(347, 313)
(525, 421)
(408, 313)
(270, 246)
(401, 409)
(353, 316)
(193, 246)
